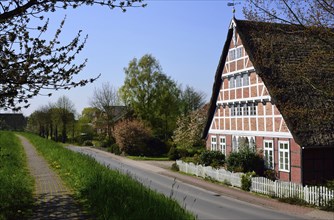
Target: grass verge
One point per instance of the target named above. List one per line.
(16, 184)
(108, 194)
(148, 158)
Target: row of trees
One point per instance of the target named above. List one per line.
(55, 120)
(149, 99)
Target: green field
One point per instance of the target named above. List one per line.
(105, 193)
(16, 185)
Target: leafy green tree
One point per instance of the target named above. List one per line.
(152, 95)
(191, 100)
(85, 123)
(28, 62)
(65, 111)
(40, 122)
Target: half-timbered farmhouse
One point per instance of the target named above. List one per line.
(274, 89)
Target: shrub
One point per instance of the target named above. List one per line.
(175, 167)
(212, 158)
(132, 137)
(114, 148)
(246, 181)
(246, 160)
(270, 174)
(87, 143)
(155, 147)
(173, 154)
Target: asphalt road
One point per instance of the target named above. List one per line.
(203, 203)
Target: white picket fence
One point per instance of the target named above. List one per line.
(315, 195)
(220, 175)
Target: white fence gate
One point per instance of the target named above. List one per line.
(315, 195)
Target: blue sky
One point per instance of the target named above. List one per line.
(186, 37)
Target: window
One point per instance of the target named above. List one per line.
(239, 111)
(238, 81)
(232, 110)
(245, 79)
(235, 53)
(252, 109)
(245, 109)
(232, 54)
(268, 154)
(214, 143)
(222, 143)
(231, 82)
(234, 144)
(284, 156)
(252, 143)
(239, 52)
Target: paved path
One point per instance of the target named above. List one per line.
(53, 199)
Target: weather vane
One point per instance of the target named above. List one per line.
(233, 4)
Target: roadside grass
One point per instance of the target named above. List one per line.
(148, 158)
(16, 184)
(107, 194)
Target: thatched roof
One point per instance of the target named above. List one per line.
(297, 66)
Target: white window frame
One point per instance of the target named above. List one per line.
(283, 156)
(245, 110)
(232, 54)
(238, 81)
(267, 149)
(213, 143)
(252, 109)
(239, 110)
(238, 52)
(245, 79)
(222, 144)
(231, 81)
(233, 110)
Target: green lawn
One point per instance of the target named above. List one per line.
(148, 158)
(16, 184)
(107, 194)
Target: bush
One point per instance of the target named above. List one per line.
(246, 181)
(173, 154)
(270, 174)
(114, 149)
(155, 147)
(132, 137)
(175, 167)
(87, 143)
(246, 160)
(212, 158)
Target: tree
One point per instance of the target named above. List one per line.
(307, 13)
(152, 95)
(40, 121)
(105, 100)
(65, 111)
(191, 100)
(189, 128)
(132, 136)
(29, 63)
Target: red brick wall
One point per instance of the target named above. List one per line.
(295, 173)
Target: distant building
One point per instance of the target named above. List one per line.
(276, 111)
(12, 121)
